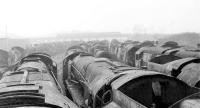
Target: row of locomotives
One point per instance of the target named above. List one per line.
(172, 48)
(75, 48)
(157, 54)
(125, 51)
(100, 83)
(85, 46)
(176, 63)
(106, 54)
(113, 45)
(32, 84)
(120, 49)
(102, 45)
(103, 52)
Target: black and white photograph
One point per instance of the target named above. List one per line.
(99, 53)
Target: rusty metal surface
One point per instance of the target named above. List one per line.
(176, 65)
(190, 74)
(132, 74)
(152, 50)
(124, 101)
(186, 69)
(168, 67)
(158, 68)
(181, 52)
(185, 54)
(191, 101)
(94, 70)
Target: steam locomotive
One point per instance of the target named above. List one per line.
(102, 83)
(33, 83)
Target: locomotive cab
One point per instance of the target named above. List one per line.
(151, 91)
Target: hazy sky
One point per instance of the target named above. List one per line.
(27, 18)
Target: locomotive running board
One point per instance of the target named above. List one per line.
(75, 91)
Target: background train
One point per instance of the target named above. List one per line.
(170, 58)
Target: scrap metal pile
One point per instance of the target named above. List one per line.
(103, 74)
